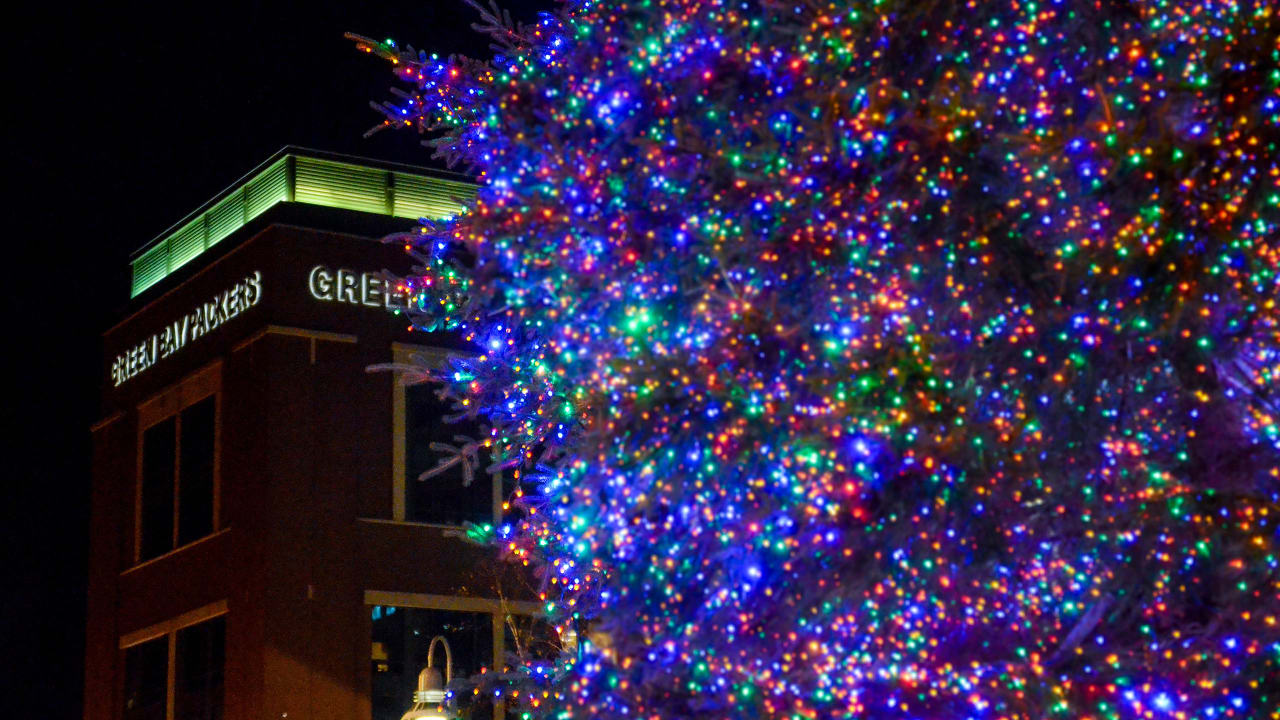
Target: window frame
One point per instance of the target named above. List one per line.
(497, 609)
(403, 354)
(170, 403)
(169, 629)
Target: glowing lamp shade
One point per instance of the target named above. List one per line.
(429, 698)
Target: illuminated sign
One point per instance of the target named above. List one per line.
(352, 288)
(205, 318)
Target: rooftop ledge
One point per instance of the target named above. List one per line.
(310, 177)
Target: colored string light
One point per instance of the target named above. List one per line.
(876, 359)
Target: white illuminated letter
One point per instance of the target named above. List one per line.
(347, 287)
(321, 283)
(372, 290)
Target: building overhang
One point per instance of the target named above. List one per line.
(306, 177)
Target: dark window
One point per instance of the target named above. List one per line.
(401, 637)
(177, 474)
(195, 472)
(531, 639)
(146, 670)
(197, 659)
(442, 498)
(158, 476)
(198, 671)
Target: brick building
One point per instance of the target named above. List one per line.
(260, 547)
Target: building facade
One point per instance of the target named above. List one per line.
(260, 544)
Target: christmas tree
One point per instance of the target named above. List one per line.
(883, 359)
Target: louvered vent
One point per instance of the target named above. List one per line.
(186, 244)
(268, 188)
(340, 185)
(150, 268)
(225, 218)
(414, 196)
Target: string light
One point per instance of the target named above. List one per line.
(875, 359)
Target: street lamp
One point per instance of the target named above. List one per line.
(428, 700)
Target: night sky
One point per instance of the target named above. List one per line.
(120, 121)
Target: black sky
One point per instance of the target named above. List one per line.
(120, 120)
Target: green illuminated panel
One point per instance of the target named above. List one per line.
(416, 197)
(332, 184)
(186, 244)
(268, 188)
(314, 181)
(150, 268)
(225, 218)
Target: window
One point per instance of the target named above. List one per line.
(401, 636)
(531, 638)
(198, 668)
(159, 462)
(146, 673)
(445, 498)
(477, 629)
(177, 675)
(177, 483)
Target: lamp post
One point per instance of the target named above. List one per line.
(429, 699)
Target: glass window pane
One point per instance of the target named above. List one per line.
(530, 639)
(401, 637)
(442, 498)
(195, 472)
(198, 671)
(146, 669)
(157, 489)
